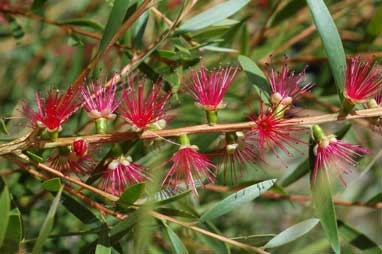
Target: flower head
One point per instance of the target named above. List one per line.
(100, 101)
(271, 132)
(74, 159)
(187, 164)
(363, 80)
(333, 154)
(139, 110)
(287, 87)
(237, 152)
(121, 172)
(54, 110)
(208, 88)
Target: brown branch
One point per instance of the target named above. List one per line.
(204, 128)
(120, 216)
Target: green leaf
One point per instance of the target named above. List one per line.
(103, 244)
(290, 9)
(292, 233)
(131, 194)
(115, 20)
(53, 184)
(212, 16)
(219, 49)
(5, 206)
(83, 22)
(82, 212)
(255, 74)
(14, 234)
(169, 199)
(301, 170)
(256, 240)
(323, 203)
(233, 201)
(175, 212)
(331, 41)
(123, 227)
(176, 243)
(3, 127)
(377, 198)
(215, 245)
(47, 226)
(37, 5)
(358, 239)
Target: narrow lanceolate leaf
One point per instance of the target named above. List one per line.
(131, 194)
(47, 226)
(357, 239)
(53, 184)
(331, 41)
(5, 206)
(83, 213)
(255, 75)
(116, 17)
(103, 244)
(323, 203)
(83, 22)
(175, 241)
(233, 201)
(212, 16)
(377, 198)
(292, 233)
(14, 234)
(3, 127)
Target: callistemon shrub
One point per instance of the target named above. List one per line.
(225, 126)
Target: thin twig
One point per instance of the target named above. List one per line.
(204, 128)
(120, 216)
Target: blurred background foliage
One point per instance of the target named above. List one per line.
(47, 44)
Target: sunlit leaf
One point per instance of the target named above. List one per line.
(212, 15)
(331, 41)
(47, 226)
(233, 201)
(292, 233)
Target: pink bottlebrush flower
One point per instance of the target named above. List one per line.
(363, 80)
(271, 132)
(52, 111)
(237, 152)
(100, 101)
(208, 88)
(75, 159)
(287, 87)
(139, 110)
(120, 173)
(335, 154)
(187, 164)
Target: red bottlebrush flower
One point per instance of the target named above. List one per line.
(287, 86)
(272, 132)
(187, 164)
(363, 80)
(139, 110)
(208, 88)
(53, 111)
(100, 101)
(121, 172)
(335, 154)
(237, 152)
(75, 159)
